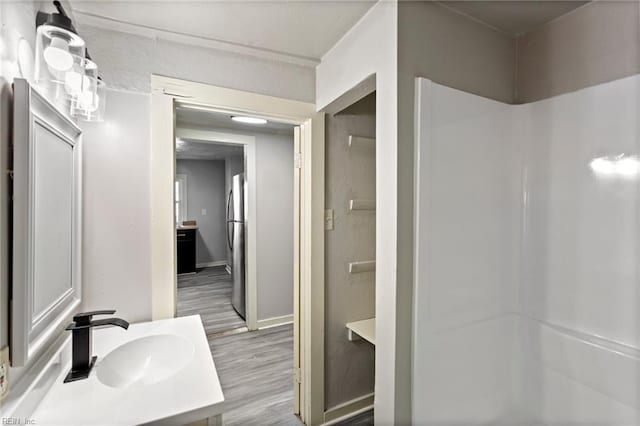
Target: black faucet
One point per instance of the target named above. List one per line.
(82, 362)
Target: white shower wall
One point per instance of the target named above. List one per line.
(580, 288)
(527, 299)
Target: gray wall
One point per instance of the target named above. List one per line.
(206, 191)
(455, 51)
(232, 166)
(350, 173)
(596, 43)
(274, 224)
(274, 163)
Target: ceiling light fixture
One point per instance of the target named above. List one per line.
(248, 120)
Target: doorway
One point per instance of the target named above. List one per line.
(308, 386)
(209, 233)
(234, 219)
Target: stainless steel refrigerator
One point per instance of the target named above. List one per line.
(235, 238)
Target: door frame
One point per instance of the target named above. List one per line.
(309, 330)
(249, 144)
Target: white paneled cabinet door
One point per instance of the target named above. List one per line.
(46, 223)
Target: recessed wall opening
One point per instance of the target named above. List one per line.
(350, 259)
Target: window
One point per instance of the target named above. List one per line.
(181, 198)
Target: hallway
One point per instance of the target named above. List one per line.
(208, 293)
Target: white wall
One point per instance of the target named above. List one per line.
(127, 59)
(117, 207)
(526, 302)
(206, 190)
(370, 48)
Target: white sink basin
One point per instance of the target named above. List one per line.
(145, 361)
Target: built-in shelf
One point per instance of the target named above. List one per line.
(361, 142)
(365, 329)
(359, 204)
(365, 266)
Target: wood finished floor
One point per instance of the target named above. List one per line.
(256, 374)
(208, 293)
(255, 368)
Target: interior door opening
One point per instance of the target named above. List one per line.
(237, 212)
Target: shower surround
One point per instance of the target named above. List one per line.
(527, 295)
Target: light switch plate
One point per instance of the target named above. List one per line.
(204, 212)
(4, 372)
(328, 220)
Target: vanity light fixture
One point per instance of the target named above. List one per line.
(64, 70)
(248, 120)
(57, 53)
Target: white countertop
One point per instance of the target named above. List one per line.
(193, 394)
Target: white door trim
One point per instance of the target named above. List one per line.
(165, 92)
(251, 261)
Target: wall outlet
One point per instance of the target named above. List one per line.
(204, 212)
(4, 372)
(328, 220)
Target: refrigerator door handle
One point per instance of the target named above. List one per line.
(229, 198)
(229, 220)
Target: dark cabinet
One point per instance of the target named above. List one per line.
(186, 250)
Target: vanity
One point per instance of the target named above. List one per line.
(158, 372)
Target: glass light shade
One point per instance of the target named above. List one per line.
(89, 104)
(56, 53)
(76, 79)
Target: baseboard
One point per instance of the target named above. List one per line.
(210, 264)
(228, 268)
(348, 409)
(275, 321)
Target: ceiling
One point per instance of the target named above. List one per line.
(193, 150)
(305, 29)
(514, 17)
(188, 117)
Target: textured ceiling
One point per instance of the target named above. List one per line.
(514, 17)
(306, 29)
(186, 117)
(193, 150)
(187, 149)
